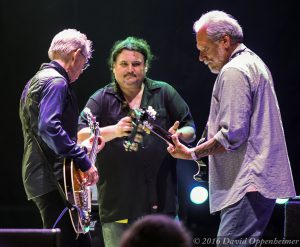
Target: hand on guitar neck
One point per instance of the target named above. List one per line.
(174, 128)
(173, 137)
(167, 135)
(178, 132)
(91, 176)
(88, 144)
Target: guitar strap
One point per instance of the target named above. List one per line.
(58, 185)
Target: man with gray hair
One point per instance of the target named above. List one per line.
(249, 165)
(49, 116)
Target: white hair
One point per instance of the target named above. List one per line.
(217, 24)
(67, 41)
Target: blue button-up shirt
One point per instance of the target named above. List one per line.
(245, 119)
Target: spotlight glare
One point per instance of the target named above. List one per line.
(281, 200)
(198, 195)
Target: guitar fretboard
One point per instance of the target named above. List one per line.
(93, 153)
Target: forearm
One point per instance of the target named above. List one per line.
(83, 134)
(107, 133)
(209, 147)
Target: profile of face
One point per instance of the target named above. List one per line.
(129, 69)
(78, 62)
(211, 53)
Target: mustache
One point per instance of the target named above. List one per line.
(130, 74)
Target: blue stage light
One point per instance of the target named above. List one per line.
(281, 200)
(198, 195)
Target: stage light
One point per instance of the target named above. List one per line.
(281, 200)
(198, 195)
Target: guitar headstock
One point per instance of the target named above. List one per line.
(93, 124)
(145, 117)
(141, 119)
(95, 130)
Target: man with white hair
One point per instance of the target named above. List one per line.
(248, 160)
(49, 115)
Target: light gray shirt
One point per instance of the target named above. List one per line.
(245, 119)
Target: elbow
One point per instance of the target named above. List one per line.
(42, 128)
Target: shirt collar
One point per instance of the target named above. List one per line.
(55, 65)
(239, 49)
(60, 70)
(149, 85)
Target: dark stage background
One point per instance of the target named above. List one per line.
(27, 28)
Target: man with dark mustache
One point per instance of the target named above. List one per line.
(133, 184)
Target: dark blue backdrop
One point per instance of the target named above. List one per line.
(27, 27)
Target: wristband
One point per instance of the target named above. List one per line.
(193, 154)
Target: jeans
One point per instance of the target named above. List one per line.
(245, 221)
(50, 206)
(112, 233)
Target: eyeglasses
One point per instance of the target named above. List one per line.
(86, 64)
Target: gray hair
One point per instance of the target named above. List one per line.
(218, 24)
(67, 41)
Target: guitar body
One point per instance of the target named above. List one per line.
(78, 195)
(76, 192)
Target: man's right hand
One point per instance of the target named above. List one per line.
(91, 176)
(178, 150)
(124, 127)
(88, 143)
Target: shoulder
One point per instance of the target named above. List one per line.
(154, 85)
(246, 67)
(107, 90)
(49, 72)
(242, 60)
(51, 79)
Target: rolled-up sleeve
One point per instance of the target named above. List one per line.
(234, 109)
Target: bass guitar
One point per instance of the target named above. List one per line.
(145, 119)
(77, 193)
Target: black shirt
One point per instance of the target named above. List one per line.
(131, 183)
(49, 114)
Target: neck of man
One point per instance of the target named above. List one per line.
(66, 66)
(133, 96)
(232, 48)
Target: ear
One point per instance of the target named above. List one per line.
(77, 52)
(226, 41)
(113, 68)
(75, 55)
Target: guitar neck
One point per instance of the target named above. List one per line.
(93, 153)
(165, 135)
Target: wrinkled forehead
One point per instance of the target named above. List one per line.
(201, 38)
